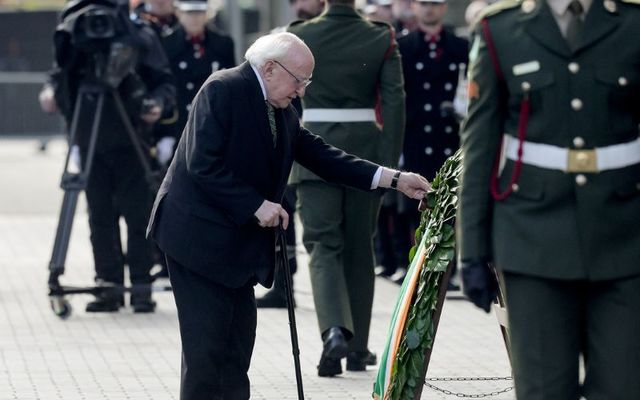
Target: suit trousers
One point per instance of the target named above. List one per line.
(218, 330)
(553, 322)
(339, 224)
(117, 187)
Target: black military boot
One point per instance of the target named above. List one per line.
(334, 348)
(358, 360)
(107, 300)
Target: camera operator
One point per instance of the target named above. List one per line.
(117, 185)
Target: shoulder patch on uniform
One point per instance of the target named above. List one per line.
(498, 7)
(631, 1)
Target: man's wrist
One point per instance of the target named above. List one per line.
(395, 179)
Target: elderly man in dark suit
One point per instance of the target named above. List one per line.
(220, 201)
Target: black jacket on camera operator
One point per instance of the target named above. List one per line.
(98, 46)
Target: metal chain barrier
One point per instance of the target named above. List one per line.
(472, 378)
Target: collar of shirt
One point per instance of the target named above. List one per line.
(196, 39)
(264, 91)
(432, 38)
(560, 7)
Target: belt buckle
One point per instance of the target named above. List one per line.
(582, 161)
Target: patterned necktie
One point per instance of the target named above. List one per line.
(271, 112)
(575, 25)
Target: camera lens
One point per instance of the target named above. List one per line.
(99, 25)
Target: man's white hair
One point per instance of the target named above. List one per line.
(271, 47)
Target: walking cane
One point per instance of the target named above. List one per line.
(286, 270)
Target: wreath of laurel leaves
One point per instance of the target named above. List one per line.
(437, 222)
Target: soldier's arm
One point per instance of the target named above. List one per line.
(392, 98)
(155, 70)
(480, 139)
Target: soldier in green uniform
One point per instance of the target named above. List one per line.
(551, 190)
(357, 67)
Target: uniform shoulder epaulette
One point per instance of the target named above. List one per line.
(383, 24)
(631, 1)
(497, 7)
(296, 22)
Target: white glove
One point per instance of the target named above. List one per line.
(164, 149)
(75, 163)
(461, 100)
(48, 100)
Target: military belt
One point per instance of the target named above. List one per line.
(574, 160)
(339, 115)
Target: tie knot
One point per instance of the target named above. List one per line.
(575, 7)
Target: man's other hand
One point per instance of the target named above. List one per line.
(269, 215)
(479, 283)
(413, 185)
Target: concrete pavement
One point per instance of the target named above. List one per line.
(130, 356)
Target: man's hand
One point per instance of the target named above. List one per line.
(413, 185)
(47, 100)
(479, 283)
(410, 184)
(269, 215)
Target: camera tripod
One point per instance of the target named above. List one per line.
(90, 101)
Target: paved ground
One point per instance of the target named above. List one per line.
(127, 356)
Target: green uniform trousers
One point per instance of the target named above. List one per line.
(338, 227)
(552, 322)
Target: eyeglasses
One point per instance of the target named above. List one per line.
(299, 82)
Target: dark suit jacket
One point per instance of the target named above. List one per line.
(225, 166)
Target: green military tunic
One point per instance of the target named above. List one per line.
(567, 237)
(357, 68)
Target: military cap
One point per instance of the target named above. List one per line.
(191, 5)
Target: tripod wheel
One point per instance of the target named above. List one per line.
(60, 306)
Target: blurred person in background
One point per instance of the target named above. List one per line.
(195, 51)
(307, 9)
(160, 14)
(276, 297)
(434, 61)
(357, 67)
(406, 18)
(381, 10)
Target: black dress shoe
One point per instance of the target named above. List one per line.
(334, 343)
(329, 367)
(384, 272)
(358, 360)
(105, 302)
(334, 348)
(142, 304)
(273, 299)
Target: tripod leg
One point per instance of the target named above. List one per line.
(72, 184)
